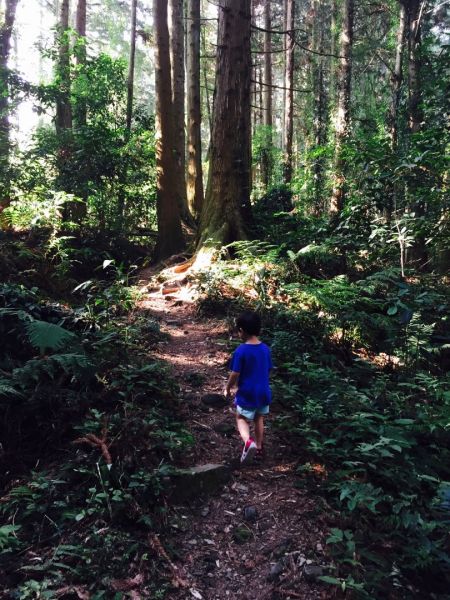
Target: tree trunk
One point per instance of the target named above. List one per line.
(289, 85)
(414, 10)
(205, 83)
(226, 213)
(194, 146)
(178, 79)
(396, 79)
(266, 163)
(5, 45)
(319, 111)
(320, 102)
(79, 209)
(170, 237)
(396, 82)
(343, 109)
(130, 79)
(63, 106)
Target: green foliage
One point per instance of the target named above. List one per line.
(361, 358)
(98, 172)
(89, 520)
(44, 335)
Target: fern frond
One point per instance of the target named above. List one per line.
(6, 389)
(44, 335)
(77, 364)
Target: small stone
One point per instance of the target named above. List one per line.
(197, 481)
(215, 400)
(205, 511)
(264, 525)
(319, 548)
(224, 427)
(282, 548)
(312, 572)
(250, 514)
(275, 571)
(239, 487)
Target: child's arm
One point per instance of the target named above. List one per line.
(231, 383)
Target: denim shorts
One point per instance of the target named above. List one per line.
(251, 414)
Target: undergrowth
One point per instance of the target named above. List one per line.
(361, 389)
(88, 436)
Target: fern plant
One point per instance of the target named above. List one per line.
(45, 335)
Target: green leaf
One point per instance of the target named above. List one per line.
(329, 579)
(392, 310)
(44, 335)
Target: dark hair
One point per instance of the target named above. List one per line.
(249, 322)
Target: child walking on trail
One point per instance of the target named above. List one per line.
(250, 368)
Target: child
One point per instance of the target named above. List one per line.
(250, 367)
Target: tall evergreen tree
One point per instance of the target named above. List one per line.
(6, 29)
(266, 164)
(178, 96)
(63, 104)
(131, 62)
(226, 212)
(194, 140)
(170, 237)
(343, 108)
(289, 92)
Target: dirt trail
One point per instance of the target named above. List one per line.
(223, 548)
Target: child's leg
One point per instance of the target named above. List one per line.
(243, 427)
(259, 430)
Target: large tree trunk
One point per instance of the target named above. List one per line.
(79, 209)
(226, 213)
(289, 85)
(320, 103)
(80, 108)
(343, 109)
(63, 105)
(414, 10)
(178, 79)
(396, 82)
(130, 79)
(170, 237)
(266, 164)
(5, 45)
(194, 142)
(396, 79)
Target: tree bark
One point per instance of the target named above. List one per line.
(266, 163)
(343, 109)
(396, 79)
(63, 105)
(170, 238)
(5, 46)
(130, 78)
(414, 10)
(194, 142)
(226, 213)
(289, 84)
(320, 103)
(178, 79)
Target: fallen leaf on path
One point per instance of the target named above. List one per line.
(125, 585)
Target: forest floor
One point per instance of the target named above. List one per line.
(260, 537)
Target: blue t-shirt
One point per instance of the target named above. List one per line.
(253, 363)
